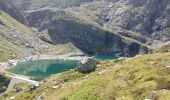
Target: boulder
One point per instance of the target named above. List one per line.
(57, 86)
(12, 98)
(102, 72)
(167, 66)
(87, 65)
(18, 89)
(34, 86)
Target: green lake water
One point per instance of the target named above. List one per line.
(40, 69)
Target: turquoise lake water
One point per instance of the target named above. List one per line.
(40, 69)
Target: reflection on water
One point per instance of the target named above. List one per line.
(41, 69)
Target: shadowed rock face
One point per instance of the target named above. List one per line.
(36, 19)
(8, 7)
(63, 28)
(40, 19)
(90, 39)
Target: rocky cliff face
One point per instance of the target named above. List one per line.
(91, 39)
(145, 22)
(146, 17)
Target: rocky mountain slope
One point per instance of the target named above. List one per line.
(16, 38)
(141, 21)
(37, 4)
(19, 40)
(8, 7)
(144, 17)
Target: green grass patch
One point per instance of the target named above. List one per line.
(7, 50)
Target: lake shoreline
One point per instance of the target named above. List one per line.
(11, 63)
(4, 66)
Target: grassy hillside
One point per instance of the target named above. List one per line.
(8, 22)
(138, 78)
(165, 48)
(17, 40)
(7, 50)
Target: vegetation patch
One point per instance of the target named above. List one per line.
(8, 50)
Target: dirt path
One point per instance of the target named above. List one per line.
(19, 79)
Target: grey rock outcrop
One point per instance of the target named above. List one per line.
(87, 65)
